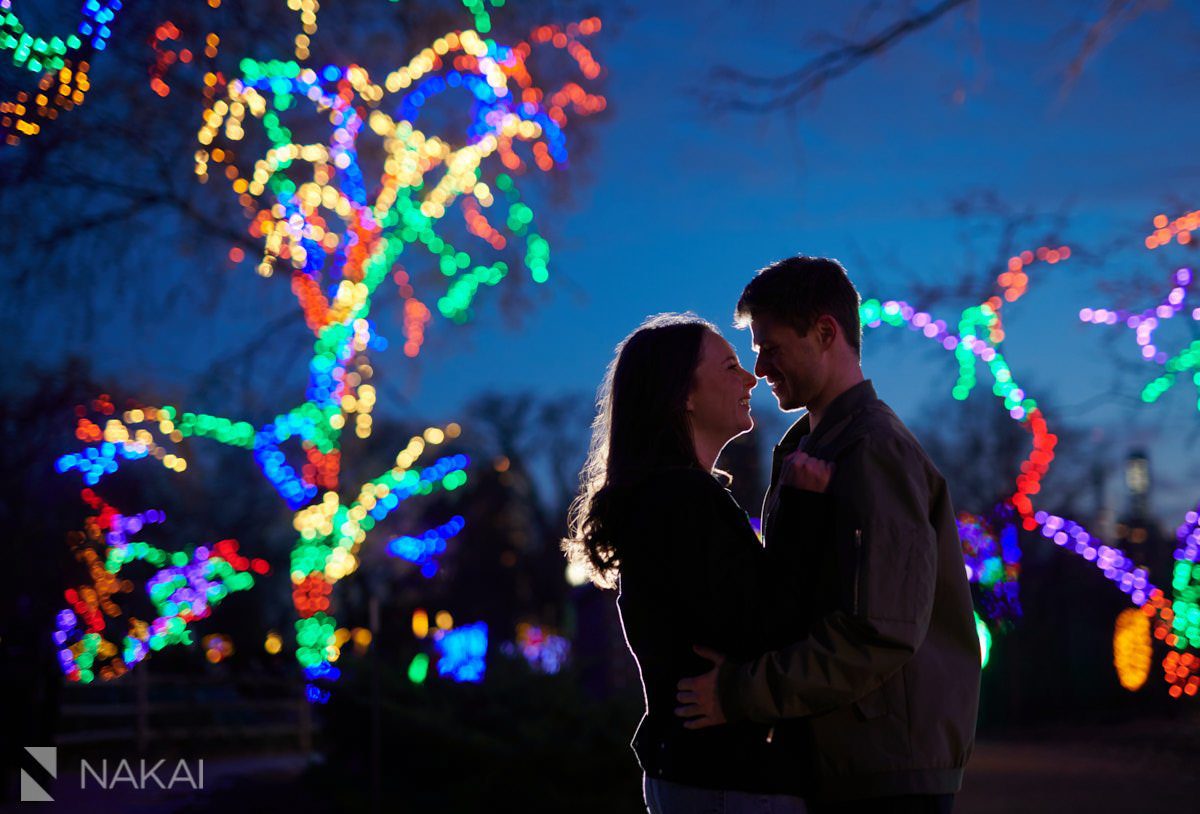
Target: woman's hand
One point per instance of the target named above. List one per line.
(806, 472)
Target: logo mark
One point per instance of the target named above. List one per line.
(47, 758)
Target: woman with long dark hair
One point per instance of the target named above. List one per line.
(653, 519)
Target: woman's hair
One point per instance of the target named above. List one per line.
(641, 425)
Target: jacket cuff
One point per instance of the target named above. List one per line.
(727, 691)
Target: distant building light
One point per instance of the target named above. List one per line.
(1137, 474)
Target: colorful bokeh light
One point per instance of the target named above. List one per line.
(62, 61)
(339, 235)
(992, 558)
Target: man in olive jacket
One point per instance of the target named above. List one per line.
(885, 686)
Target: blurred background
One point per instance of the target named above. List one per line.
(306, 306)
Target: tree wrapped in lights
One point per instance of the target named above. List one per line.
(62, 62)
(339, 235)
(1176, 619)
(1146, 322)
(990, 541)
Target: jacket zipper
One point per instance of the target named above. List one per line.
(857, 566)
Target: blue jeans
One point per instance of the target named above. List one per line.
(665, 797)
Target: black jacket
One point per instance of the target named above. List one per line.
(693, 572)
(886, 681)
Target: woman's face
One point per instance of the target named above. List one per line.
(719, 403)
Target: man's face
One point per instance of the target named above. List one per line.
(793, 365)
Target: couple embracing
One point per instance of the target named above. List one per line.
(833, 667)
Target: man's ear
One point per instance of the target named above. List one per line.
(827, 330)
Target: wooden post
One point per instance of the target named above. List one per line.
(376, 709)
(141, 687)
(306, 724)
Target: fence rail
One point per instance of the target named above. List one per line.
(144, 708)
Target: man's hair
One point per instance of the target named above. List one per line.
(799, 290)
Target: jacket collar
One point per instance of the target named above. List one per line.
(846, 403)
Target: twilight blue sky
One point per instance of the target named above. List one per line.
(677, 205)
(685, 204)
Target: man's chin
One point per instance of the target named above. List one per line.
(786, 404)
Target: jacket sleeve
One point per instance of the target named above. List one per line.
(885, 603)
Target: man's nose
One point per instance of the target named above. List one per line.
(760, 368)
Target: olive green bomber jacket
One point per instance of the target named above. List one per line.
(886, 683)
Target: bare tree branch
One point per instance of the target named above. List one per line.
(732, 88)
(788, 89)
(1117, 14)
